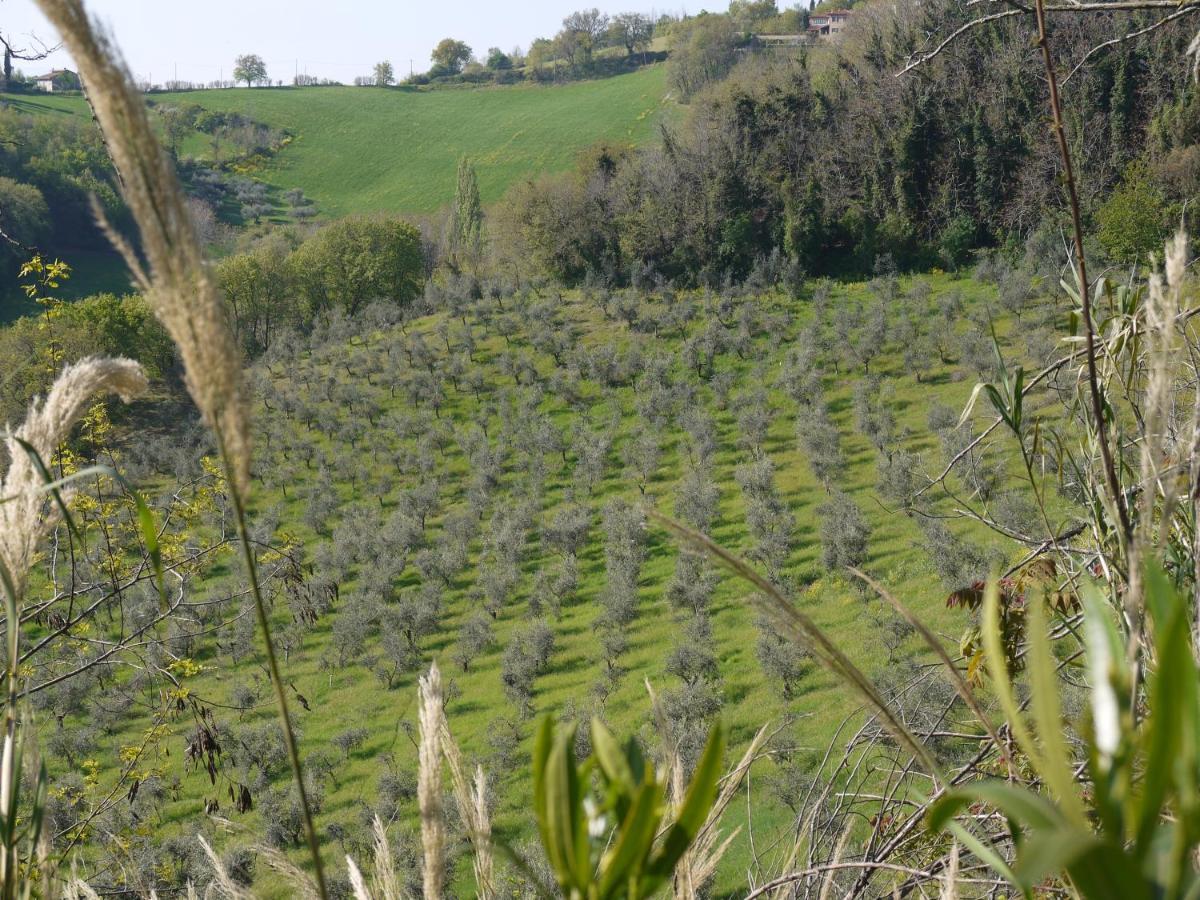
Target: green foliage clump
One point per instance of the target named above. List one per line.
(630, 863)
(1135, 220)
(33, 349)
(64, 159)
(24, 217)
(349, 263)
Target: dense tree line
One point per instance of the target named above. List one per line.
(832, 160)
(286, 281)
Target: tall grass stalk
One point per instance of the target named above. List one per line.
(429, 782)
(800, 628)
(471, 797)
(184, 298)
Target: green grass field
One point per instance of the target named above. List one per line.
(352, 696)
(362, 150)
(357, 150)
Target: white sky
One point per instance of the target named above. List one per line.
(338, 39)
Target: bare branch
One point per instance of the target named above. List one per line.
(922, 58)
(1177, 10)
(1130, 36)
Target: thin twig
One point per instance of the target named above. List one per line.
(1178, 14)
(1085, 290)
(956, 678)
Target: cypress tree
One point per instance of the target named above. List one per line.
(467, 225)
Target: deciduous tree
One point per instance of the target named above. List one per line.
(450, 56)
(384, 74)
(250, 68)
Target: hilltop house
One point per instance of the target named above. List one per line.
(829, 24)
(58, 80)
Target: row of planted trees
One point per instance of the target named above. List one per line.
(1097, 804)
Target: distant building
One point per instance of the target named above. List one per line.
(828, 24)
(58, 80)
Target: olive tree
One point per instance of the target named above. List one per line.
(624, 552)
(643, 453)
(693, 658)
(874, 412)
(781, 658)
(768, 517)
(474, 637)
(753, 421)
(697, 498)
(518, 668)
(692, 584)
(821, 442)
(844, 533)
(567, 530)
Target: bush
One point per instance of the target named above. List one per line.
(956, 241)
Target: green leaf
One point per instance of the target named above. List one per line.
(1018, 804)
(1170, 730)
(1055, 765)
(997, 401)
(1049, 852)
(1103, 871)
(11, 616)
(634, 840)
(1018, 399)
(564, 811)
(543, 744)
(608, 754)
(692, 814)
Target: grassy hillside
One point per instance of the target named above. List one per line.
(362, 405)
(364, 150)
(359, 150)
